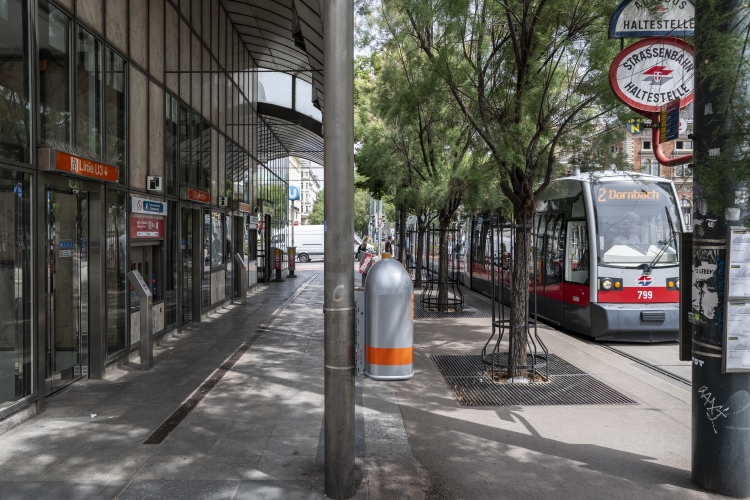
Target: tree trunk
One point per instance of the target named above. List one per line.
(443, 265)
(519, 320)
(402, 236)
(421, 231)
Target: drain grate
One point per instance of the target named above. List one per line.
(468, 312)
(568, 385)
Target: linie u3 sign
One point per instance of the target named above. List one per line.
(653, 72)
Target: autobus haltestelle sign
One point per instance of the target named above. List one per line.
(653, 72)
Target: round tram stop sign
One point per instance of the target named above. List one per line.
(653, 72)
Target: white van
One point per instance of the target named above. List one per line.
(309, 242)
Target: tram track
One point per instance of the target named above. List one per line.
(648, 365)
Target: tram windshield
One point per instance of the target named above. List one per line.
(637, 223)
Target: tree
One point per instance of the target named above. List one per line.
(527, 76)
(420, 134)
(316, 214)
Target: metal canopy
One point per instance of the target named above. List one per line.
(300, 135)
(282, 35)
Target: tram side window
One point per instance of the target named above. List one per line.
(577, 253)
(554, 255)
(541, 224)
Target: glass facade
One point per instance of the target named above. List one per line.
(54, 73)
(115, 76)
(15, 84)
(89, 93)
(15, 286)
(117, 286)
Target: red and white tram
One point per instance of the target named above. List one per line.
(606, 256)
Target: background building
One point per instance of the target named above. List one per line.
(148, 135)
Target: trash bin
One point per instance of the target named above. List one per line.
(389, 332)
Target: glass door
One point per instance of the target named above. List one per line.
(186, 258)
(67, 289)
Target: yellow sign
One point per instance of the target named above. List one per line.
(605, 195)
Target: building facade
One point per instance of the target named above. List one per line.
(131, 138)
(310, 187)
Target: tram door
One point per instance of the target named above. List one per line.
(554, 260)
(66, 289)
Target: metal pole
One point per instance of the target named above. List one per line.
(720, 416)
(338, 305)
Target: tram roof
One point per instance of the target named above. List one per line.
(611, 175)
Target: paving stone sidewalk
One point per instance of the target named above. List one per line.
(257, 434)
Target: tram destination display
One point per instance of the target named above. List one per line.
(736, 345)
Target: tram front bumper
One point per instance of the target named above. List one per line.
(635, 322)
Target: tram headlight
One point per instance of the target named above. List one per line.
(610, 284)
(678, 283)
(607, 284)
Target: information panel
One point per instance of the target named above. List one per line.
(736, 348)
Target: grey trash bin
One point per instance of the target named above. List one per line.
(389, 332)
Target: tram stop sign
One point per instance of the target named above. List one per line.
(652, 73)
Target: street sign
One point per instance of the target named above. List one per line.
(366, 260)
(669, 121)
(293, 193)
(653, 72)
(632, 19)
(146, 206)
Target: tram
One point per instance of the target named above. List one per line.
(605, 256)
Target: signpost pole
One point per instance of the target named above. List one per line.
(338, 305)
(721, 417)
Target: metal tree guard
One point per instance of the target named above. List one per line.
(501, 322)
(429, 297)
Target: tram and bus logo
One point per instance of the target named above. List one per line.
(657, 75)
(644, 280)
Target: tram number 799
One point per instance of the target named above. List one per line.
(645, 295)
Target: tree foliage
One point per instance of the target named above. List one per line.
(316, 214)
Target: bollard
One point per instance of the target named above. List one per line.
(389, 322)
(277, 264)
(147, 325)
(292, 252)
(242, 268)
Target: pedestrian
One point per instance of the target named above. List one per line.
(362, 250)
(388, 246)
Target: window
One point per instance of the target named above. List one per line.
(171, 144)
(646, 145)
(206, 281)
(15, 286)
(217, 238)
(117, 316)
(682, 171)
(89, 93)
(115, 112)
(577, 253)
(170, 276)
(54, 74)
(14, 81)
(684, 145)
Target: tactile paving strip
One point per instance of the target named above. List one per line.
(468, 312)
(568, 385)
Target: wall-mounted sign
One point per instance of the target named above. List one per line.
(293, 193)
(633, 19)
(65, 253)
(65, 244)
(52, 159)
(267, 208)
(653, 72)
(669, 121)
(200, 196)
(151, 207)
(736, 345)
(143, 228)
(244, 207)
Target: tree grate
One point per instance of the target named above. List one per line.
(467, 312)
(569, 385)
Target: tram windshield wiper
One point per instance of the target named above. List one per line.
(648, 267)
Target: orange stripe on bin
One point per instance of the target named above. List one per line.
(390, 355)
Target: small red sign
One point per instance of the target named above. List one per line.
(201, 196)
(277, 259)
(86, 168)
(292, 257)
(365, 263)
(142, 228)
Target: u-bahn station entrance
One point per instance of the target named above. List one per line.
(148, 135)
